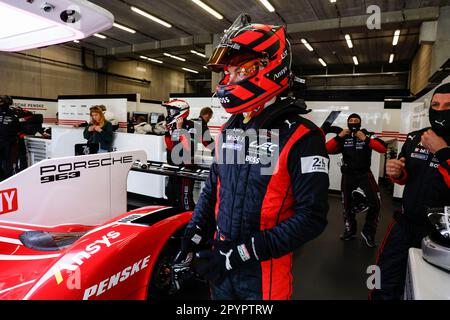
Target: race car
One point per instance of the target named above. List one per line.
(62, 235)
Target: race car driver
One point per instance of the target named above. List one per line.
(255, 219)
(180, 151)
(356, 146)
(9, 129)
(423, 166)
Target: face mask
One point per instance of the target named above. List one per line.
(354, 127)
(440, 122)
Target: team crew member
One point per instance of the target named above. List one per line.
(423, 166)
(181, 148)
(99, 131)
(9, 129)
(356, 146)
(205, 116)
(258, 219)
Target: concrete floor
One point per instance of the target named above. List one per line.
(329, 268)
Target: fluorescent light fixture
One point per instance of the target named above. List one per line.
(198, 53)
(355, 60)
(333, 1)
(76, 41)
(268, 6)
(322, 62)
(189, 70)
(151, 59)
(307, 45)
(98, 35)
(396, 37)
(174, 57)
(33, 24)
(391, 58)
(124, 28)
(151, 17)
(205, 67)
(349, 41)
(208, 9)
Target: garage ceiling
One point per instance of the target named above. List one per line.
(188, 20)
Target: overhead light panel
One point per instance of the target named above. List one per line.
(205, 67)
(33, 24)
(391, 58)
(396, 37)
(174, 57)
(307, 45)
(76, 41)
(117, 25)
(333, 1)
(151, 17)
(151, 59)
(198, 53)
(208, 9)
(355, 60)
(322, 62)
(189, 70)
(98, 35)
(268, 6)
(349, 41)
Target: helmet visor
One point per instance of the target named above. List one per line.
(227, 56)
(240, 72)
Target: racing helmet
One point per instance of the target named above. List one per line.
(256, 62)
(359, 201)
(176, 109)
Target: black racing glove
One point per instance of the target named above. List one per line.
(183, 260)
(225, 257)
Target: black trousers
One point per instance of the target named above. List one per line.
(180, 193)
(8, 156)
(367, 183)
(393, 258)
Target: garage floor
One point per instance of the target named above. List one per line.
(327, 267)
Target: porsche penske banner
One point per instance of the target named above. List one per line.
(86, 190)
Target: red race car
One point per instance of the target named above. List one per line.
(54, 244)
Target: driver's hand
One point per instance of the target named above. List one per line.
(344, 132)
(180, 266)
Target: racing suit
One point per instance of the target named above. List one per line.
(286, 208)
(179, 191)
(426, 177)
(357, 158)
(9, 129)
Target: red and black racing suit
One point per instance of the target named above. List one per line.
(9, 129)
(287, 207)
(179, 191)
(357, 158)
(426, 177)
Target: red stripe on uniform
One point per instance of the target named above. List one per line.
(332, 146)
(277, 206)
(445, 174)
(377, 146)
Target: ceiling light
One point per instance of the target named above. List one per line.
(208, 9)
(268, 6)
(198, 53)
(333, 1)
(307, 45)
(174, 57)
(124, 28)
(355, 60)
(29, 24)
(205, 67)
(396, 37)
(98, 35)
(349, 41)
(322, 62)
(76, 41)
(391, 58)
(150, 59)
(189, 70)
(151, 17)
